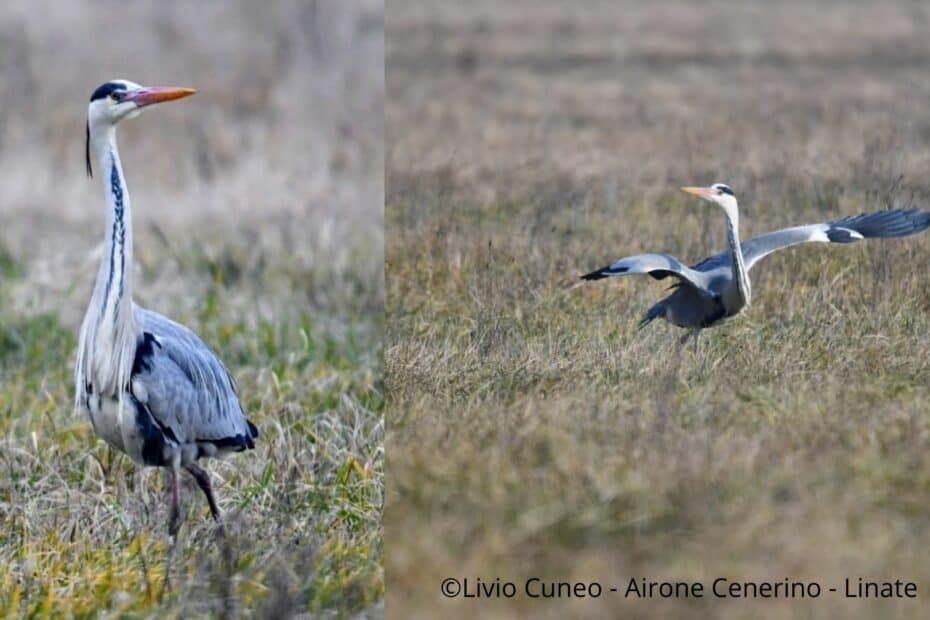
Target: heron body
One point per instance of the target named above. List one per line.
(151, 387)
(718, 287)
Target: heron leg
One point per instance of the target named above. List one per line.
(203, 481)
(174, 522)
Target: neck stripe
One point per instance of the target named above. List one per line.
(118, 239)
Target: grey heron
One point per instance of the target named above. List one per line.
(718, 287)
(151, 387)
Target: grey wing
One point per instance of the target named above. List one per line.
(186, 388)
(881, 224)
(658, 266)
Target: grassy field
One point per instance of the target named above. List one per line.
(533, 430)
(258, 223)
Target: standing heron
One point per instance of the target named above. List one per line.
(151, 386)
(718, 287)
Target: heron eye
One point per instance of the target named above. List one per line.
(114, 96)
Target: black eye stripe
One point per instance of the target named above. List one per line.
(105, 90)
(724, 189)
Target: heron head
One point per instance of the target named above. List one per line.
(116, 100)
(718, 193)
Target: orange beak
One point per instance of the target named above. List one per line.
(147, 96)
(700, 192)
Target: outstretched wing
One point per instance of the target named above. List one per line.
(186, 389)
(881, 224)
(658, 266)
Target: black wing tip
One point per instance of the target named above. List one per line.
(886, 223)
(602, 273)
(252, 429)
(594, 275)
(922, 219)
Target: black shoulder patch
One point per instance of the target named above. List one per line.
(104, 90)
(153, 437)
(142, 362)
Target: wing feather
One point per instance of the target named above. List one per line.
(880, 224)
(186, 387)
(658, 266)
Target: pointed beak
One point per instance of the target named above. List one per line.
(157, 94)
(700, 192)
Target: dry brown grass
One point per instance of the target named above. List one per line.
(258, 219)
(533, 430)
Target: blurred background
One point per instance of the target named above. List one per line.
(534, 430)
(638, 95)
(258, 215)
(283, 141)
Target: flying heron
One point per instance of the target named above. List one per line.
(718, 287)
(151, 387)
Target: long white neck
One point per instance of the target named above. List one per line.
(740, 275)
(110, 330)
(114, 277)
